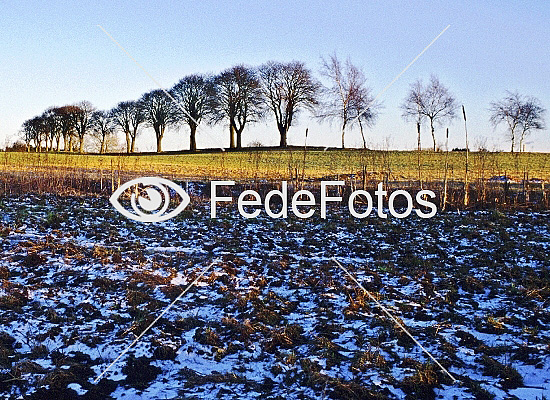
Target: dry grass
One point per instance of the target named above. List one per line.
(422, 383)
(281, 164)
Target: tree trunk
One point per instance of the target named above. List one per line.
(159, 142)
(433, 133)
(521, 143)
(133, 140)
(282, 132)
(343, 133)
(102, 149)
(192, 137)
(419, 152)
(232, 135)
(81, 145)
(362, 134)
(239, 138)
(418, 131)
(128, 142)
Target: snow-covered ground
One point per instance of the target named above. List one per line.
(274, 317)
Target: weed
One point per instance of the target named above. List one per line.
(511, 378)
(422, 383)
(139, 371)
(54, 220)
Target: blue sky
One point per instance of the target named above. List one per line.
(53, 53)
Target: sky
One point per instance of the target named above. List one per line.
(53, 53)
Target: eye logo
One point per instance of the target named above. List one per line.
(150, 199)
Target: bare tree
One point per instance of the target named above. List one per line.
(81, 119)
(521, 115)
(53, 125)
(159, 112)
(349, 100)
(532, 117)
(128, 115)
(238, 98)
(28, 133)
(67, 115)
(32, 132)
(43, 133)
(412, 109)
(288, 88)
(433, 102)
(195, 96)
(365, 110)
(112, 144)
(102, 126)
(508, 110)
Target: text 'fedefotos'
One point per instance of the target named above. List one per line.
(303, 201)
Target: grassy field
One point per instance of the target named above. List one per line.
(289, 164)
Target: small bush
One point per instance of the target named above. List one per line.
(421, 385)
(33, 259)
(511, 378)
(139, 372)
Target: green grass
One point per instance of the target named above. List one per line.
(286, 164)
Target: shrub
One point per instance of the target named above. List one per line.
(139, 372)
(511, 378)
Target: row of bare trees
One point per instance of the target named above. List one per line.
(243, 95)
(68, 123)
(434, 104)
(521, 115)
(236, 97)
